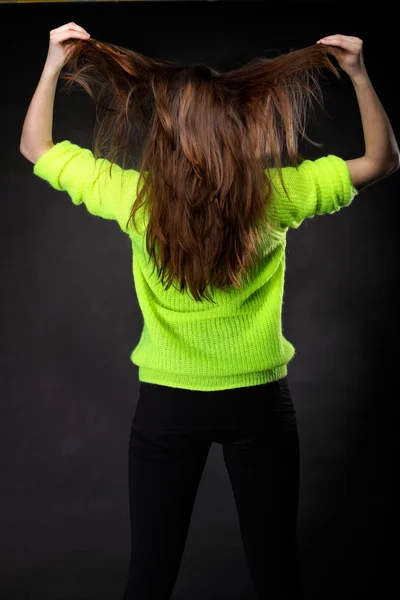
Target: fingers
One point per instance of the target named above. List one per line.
(340, 36)
(345, 41)
(67, 35)
(70, 25)
(69, 30)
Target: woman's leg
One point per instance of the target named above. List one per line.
(263, 466)
(165, 467)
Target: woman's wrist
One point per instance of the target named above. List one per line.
(51, 71)
(360, 77)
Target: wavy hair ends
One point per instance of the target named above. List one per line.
(202, 137)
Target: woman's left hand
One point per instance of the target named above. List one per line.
(351, 60)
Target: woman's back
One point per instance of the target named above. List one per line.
(237, 340)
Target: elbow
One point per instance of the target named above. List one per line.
(395, 164)
(387, 167)
(22, 149)
(391, 165)
(26, 153)
(33, 154)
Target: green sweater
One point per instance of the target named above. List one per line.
(238, 341)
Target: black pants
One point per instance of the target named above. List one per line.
(171, 434)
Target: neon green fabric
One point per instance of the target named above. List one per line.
(239, 340)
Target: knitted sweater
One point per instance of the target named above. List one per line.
(238, 341)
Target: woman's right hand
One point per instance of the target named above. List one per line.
(58, 52)
(351, 60)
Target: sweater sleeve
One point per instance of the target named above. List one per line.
(315, 187)
(107, 193)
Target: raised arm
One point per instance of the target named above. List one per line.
(382, 156)
(37, 131)
(105, 189)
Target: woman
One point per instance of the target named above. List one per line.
(212, 356)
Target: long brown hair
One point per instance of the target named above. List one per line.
(205, 135)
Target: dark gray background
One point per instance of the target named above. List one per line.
(71, 319)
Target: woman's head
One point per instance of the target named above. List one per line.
(202, 137)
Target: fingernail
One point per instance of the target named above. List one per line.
(88, 35)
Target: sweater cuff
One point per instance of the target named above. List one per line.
(51, 162)
(338, 176)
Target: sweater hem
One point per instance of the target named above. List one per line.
(211, 384)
